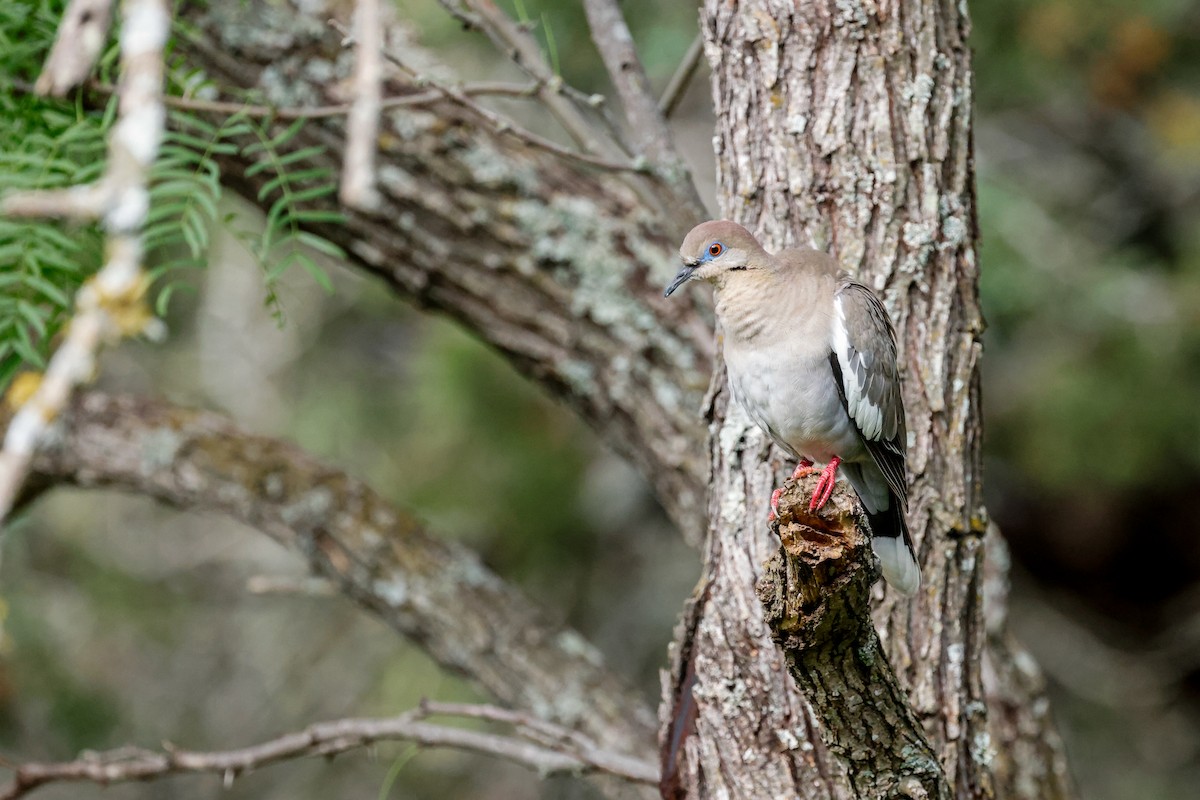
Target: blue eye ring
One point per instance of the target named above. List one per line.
(715, 249)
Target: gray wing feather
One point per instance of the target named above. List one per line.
(864, 365)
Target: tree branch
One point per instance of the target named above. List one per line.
(77, 44)
(569, 753)
(436, 593)
(816, 592)
(110, 304)
(649, 126)
(502, 126)
(409, 99)
(516, 42)
(558, 267)
(362, 127)
(681, 78)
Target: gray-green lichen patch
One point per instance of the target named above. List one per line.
(398, 183)
(954, 232)
(867, 650)
(666, 392)
(394, 592)
(570, 234)
(572, 643)
(853, 15)
(580, 376)
(311, 505)
(981, 748)
(465, 569)
(919, 234)
(280, 85)
(159, 449)
(412, 123)
(916, 759)
(490, 168)
(262, 28)
(790, 739)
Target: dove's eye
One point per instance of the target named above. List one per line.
(715, 249)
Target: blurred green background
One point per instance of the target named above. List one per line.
(124, 622)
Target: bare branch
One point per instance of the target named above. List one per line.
(285, 113)
(328, 739)
(110, 304)
(682, 77)
(308, 586)
(362, 126)
(80, 203)
(557, 267)
(498, 124)
(555, 737)
(552, 82)
(648, 124)
(502, 126)
(436, 593)
(817, 595)
(518, 44)
(80, 38)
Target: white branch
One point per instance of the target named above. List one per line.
(111, 303)
(81, 36)
(362, 126)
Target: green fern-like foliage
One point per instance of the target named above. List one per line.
(46, 144)
(297, 181)
(42, 145)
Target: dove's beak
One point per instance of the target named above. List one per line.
(684, 275)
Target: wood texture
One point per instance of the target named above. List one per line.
(846, 126)
(558, 267)
(816, 591)
(437, 593)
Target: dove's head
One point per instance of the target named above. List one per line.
(714, 249)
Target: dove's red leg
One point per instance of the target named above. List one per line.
(825, 486)
(802, 469)
(774, 504)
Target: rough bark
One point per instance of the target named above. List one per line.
(846, 126)
(436, 593)
(558, 267)
(816, 591)
(843, 125)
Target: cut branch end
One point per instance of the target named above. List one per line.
(816, 595)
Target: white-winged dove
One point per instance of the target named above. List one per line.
(811, 355)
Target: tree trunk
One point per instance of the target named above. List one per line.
(841, 125)
(847, 127)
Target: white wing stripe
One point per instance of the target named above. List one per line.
(865, 414)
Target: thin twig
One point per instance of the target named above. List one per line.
(362, 125)
(429, 590)
(285, 113)
(498, 124)
(518, 719)
(649, 126)
(677, 86)
(81, 203)
(469, 21)
(307, 586)
(516, 41)
(327, 739)
(111, 303)
(593, 102)
(78, 43)
(550, 735)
